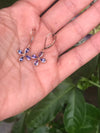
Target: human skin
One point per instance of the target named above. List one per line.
(22, 85)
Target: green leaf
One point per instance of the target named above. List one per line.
(91, 119)
(47, 109)
(45, 129)
(19, 125)
(61, 92)
(55, 130)
(93, 113)
(80, 117)
(75, 111)
(42, 129)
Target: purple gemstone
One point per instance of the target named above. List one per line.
(27, 50)
(36, 63)
(40, 54)
(43, 60)
(88, 37)
(28, 57)
(21, 58)
(34, 56)
(20, 52)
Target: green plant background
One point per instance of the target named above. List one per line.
(6, 3)
(64, 110)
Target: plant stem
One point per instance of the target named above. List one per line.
(93, 83)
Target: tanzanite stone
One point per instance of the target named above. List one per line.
(34, 56)
(20, 52)
(28, 57)
(43, 60)
(21, 58)
(36, 63)
(88, 36)
(40, 54)
(27, 50)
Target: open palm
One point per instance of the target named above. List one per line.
(22, 84)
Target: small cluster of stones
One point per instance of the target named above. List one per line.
(36, 58)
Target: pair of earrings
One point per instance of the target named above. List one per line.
(37, 58)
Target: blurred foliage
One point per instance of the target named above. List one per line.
(6, 3)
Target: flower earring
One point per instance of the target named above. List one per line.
(37, 58)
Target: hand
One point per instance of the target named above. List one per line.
(22, 85)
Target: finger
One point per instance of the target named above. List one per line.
(62, 12)
(77, 57)
(40, 6)
(78, 28)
